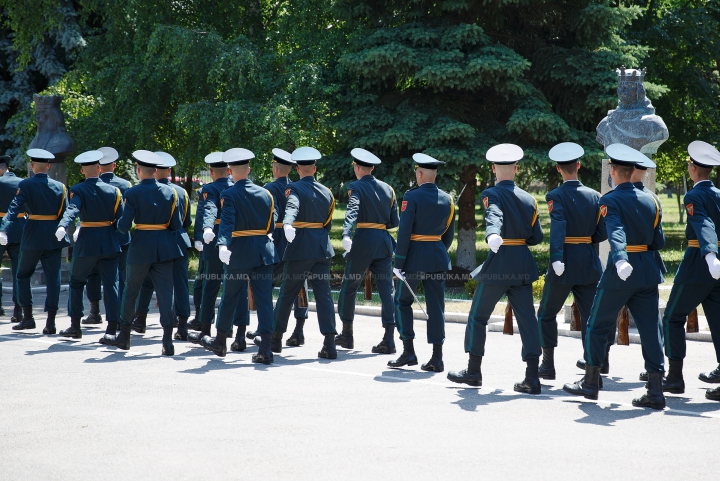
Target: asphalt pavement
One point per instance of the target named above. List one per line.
(77, 410)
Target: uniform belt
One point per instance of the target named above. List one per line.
(371, 225)
(308, 225)
(636, 248)
(249, 233)
(150, 226)
(424, 238)
(19, 214)
(101, 223)
(278, 225)
(217, 221)
(578, 240)
(43, 217)
(696, 243)
(514, 242)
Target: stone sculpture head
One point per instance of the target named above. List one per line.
(631, 90)
(51, 133)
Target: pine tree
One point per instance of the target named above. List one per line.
(455, 77)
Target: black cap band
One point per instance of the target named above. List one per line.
(239, 162)
(363, 164)
(622, 163)
(281, 161)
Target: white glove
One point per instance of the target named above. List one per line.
(198, 246)
(3, 239)
(624, 269)
(76, 234)
(270, 237)
(225, 254)
(494, 241)
(713, 264)
(399, 274)
(347, 243)
(289, 232)
(60, 233)
(208, 235)
(558, 267)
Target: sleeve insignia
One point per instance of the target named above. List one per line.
(550, 206)
(222, 203)
(690, 209)
(17, 192)
(603, 210)
(486, 202)
(404, 206)
(71, 195)
(204, 195)
(287, 192)
(349, 192)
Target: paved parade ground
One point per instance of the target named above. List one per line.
(77, 410)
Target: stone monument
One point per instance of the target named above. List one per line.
(52, 135)
(634, 124)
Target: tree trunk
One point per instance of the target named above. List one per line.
(553, 177)
(680, 206)
(466, 219)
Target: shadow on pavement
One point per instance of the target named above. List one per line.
(472, 397)
(610, 414)
(404, 375)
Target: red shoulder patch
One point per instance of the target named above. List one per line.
(550, 206)
(349, 192)
(404, 206)
(204, 195)
(603, 210)
(690, 209)
(287, 192)
(71, 195)
(486, 202)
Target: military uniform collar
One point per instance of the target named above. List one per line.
(148, 181)
(42, 174)
(571, 183)
(109, 175)
(282, 180)
(164, 181)
(639, 185)
(309, 178)
(625, 186)
(9, 174)
(221, 180)
(93, 180)
(367, 177)
(506, 183)
(704, 183)
(428, 185)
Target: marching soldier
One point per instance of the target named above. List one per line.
(307, 222)
(427, 227)
(697, 280)
(247, 222)
(212, 267)
(195, 324)
(99, 207)
(634, 224)
(45, 200)
(157, 214)
(371, 209)
(576, 226)
(282, 164)
(181, 294)
(9, 184)
(107, 175)
(512, 221)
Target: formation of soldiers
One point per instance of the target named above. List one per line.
(252, 238)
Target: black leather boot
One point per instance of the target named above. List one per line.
(712, 377)
(674, 382)
(264, 354)
(252, 334)
(345, 338)
(654, 397)
(387, 345)
(239, 344)
(531, 383)
(27, 322)
(50, 323)
(297, 338)
(328, 351)
(196, 337)
(713, 394)
(17, 314)
(112, 327)
(435, 364)
(182, 332)
(407, 358)
(470, 376)
(121, 340)
(547, 367)
(74, 331)
(605, 368)
(139, 324)
(643, 376)
(588, 386)
(195, 324)
(2, 310)
(168, 349)
(94, 316)
(217, 344)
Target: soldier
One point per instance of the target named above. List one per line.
(634, 224)
(107, 175)
(157, 214)
(248, 219)
(512, 221)
(97, 248)
(576, 226)
(307, 222)
(427, 227)
(697, 277)
(45, 200)
(212, 267)
(372, 209)
(181, 294)
(282, 164)
(9, 184)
